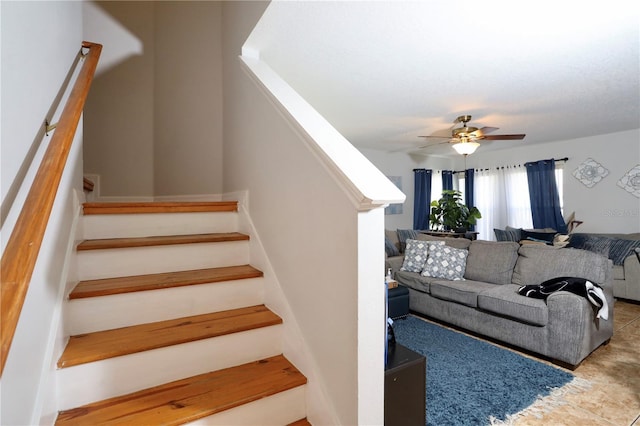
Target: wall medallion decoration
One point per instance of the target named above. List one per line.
(630, 182)
(590, 172)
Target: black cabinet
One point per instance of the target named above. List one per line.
(404, 388)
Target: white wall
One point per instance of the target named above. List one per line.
(119, 115)
(402, 164)
(154, 121)
(603, 208)
(26, 104)
(188, 98)
(323, 250)
(262, 157)
(33, 34)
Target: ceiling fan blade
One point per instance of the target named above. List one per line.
(436, 137)
(486, 130)
(422, 147)
(479, 134)
(504, 137)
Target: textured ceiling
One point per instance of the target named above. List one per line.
(385, 72)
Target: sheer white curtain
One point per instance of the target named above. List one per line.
(502, 196)
(436, 187)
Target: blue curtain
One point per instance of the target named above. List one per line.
(469, 191)
(447, 179)
(543, 193)
(421, 198)
(468, 187)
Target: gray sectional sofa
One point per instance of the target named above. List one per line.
(564, 327)
(617, 247)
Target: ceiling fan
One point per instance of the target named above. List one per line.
(465, 139)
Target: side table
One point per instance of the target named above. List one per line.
(398, 302)
(471, 235)
(405, 388)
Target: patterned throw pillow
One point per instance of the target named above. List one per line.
(515, 233)
(415, 255)
(616, 249)
(620, 249)
(445, 262)
(508, 234)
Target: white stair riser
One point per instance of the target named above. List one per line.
(86, 383)
(109, 263)
(121, 310)
(275, 410)
(149, 224)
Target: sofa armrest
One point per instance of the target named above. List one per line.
(632, 277)
(574, 330)
(395, 263)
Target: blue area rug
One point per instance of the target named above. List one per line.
(469, 381)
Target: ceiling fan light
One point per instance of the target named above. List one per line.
(466, 148)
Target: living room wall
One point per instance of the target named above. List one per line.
(400, 164)
(603, 208)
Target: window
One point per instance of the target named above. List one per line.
(436, 187)
(502, 196)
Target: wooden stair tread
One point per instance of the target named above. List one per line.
(159, 207)
(87, 184)
(108, 286)
(105, 344)
(193, 398)
(112, 243)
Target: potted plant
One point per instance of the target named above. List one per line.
(449, 213)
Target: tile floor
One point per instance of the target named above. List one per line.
(614, 372)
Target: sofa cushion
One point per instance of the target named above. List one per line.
(415, 281)
(539, 263)
(463, 292)
(392, 235)
(491, 261)
(461, 243)
(415, 255)
(445, 262)
(504, 300)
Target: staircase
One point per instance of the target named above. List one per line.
(168, 324)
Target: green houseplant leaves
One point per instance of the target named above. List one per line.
(450, 213)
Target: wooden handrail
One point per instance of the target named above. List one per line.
(20, 254)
